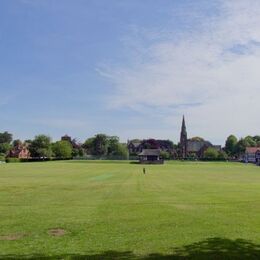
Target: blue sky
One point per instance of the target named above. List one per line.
(129, 68)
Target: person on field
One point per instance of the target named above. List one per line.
(143, 170)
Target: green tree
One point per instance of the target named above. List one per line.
(97, 145)
(241, 146)
(165, 155)
(231, 145)
(17, 143)
(100, 144)
(121, 151)
(89, 145)
(222, 155)
(6, 137)
(5, 142)
(2, 157)
(211, 153)
(77, 152)
(62, 149)
(197, 138)
(41, 146)
(250, 142)
(257, 140)
(5, 148)
(112, 145)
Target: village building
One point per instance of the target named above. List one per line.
(258, 158)
(66, 138)
(20, 151)
(195, 147)
(134, 146)
(252, 155)
(150, 156)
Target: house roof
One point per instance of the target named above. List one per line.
(252, 149)
(136, 144)
(195, 146)
(16, 151)
(150, 152)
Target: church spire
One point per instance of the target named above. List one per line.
(183, 139)
(183, 127)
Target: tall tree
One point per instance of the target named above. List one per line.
(89, 145)
(5, 142)
(62, 149)
(41, 146)
(6, 137)
(231, 145)
(5, 148)
(112, 146)
(100, 143)
(250, 142)
(241, 146)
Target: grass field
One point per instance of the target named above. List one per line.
(103, 210)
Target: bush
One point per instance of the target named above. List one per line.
(13, 160)
(222, 156)
(165, 155)
(2, 157)
(211, 154)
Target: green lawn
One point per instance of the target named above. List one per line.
(104, 210)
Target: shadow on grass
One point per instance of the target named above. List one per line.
(135, 162)
(212, 248)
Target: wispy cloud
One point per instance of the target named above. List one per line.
(214, 67)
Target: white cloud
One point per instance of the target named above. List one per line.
(215, 66)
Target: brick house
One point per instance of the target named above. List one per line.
(252, 155)
(20, 151)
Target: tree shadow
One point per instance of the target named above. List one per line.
(211, 248)
(135, 162)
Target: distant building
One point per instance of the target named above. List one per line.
(134, 146)
(183, 140)
(150, 156)
(258, 158)
(252, 155)
(20, 151)
(195, 147)
(66, 138)
(73, 142)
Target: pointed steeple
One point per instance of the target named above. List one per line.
(183, 127)
(183, 139)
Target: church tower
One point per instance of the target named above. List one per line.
(183, 140)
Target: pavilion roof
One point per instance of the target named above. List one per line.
(150, 152)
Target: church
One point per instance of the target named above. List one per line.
(194, 147)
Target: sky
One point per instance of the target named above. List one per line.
(130, 68)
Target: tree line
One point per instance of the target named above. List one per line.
(43, 147)
(235, 148)
(103, 145)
